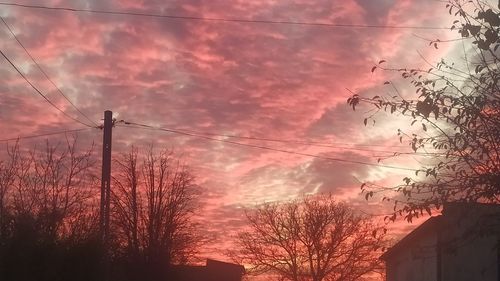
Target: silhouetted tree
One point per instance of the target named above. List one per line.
(7, 177)
(46, 214)
(52, 185)
(49, 215)
(154, 201)
(315, 238)
(458, 113)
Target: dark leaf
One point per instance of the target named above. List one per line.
(428, 210)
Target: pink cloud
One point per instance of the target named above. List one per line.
(254, 79)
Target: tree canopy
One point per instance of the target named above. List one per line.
(315, 238)
(153, 207)
(455, 114)
(49, 215)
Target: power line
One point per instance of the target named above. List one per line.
(316, 144)
(437, 40)
(213, 19)
(44, 73)
(269, 148)
(40, 93)
(310, 143)
(44, 135)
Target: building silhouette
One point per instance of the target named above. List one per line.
(462, 244)
(212, 271)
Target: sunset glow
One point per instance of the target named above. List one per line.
(266, 97)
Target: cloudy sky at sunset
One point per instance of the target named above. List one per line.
(227, 78)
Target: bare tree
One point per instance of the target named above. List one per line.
(126, 201)
(315, 238)
(7, 177)
(48, 226)
(52, 185)
(154, 202)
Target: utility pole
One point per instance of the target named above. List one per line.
(106, 178)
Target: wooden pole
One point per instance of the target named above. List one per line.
(106, 177)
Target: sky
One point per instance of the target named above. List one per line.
(250, 79)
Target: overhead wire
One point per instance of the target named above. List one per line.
(45, 73)
(214, 19)
(267, 148)
(45, 135)
(437, 40)
(312, 143)
(39, 92)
